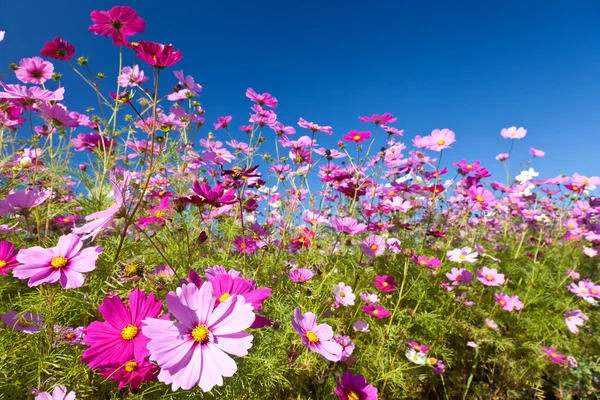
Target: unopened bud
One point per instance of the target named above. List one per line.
(25, 162)
(82, 61)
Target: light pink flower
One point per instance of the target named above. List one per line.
(132, 76)
(343, 294)
(23, 200)
(32, 93)
(536, 152)
(490, 277)
(318, 338)
(440, 139)
(59, 393)
(34, 70)
(573, 319)
(373, 246)
(513, 133)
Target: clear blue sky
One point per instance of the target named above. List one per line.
(472, 66)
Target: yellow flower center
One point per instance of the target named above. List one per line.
(131, 269)
(59, 262)
(374, 247)
(432, 361)
(593, 291)
(2, 263)
(502, 302)
(342, 294)
(312, 221)
(200, 334)
(440, 142)
(65, 219)
(583, 291)
(356, 137)
(469, 167)
(571, 227)
(462, 256)
(160, 214)
(131, 366)
(376, 312)
(353, 396)
(422, 262)
(479, 199)
(391, 193)
(568, 318)
(310, 335)
(489, 278)
(553, 355)
(224, 297)
(385, 284)
(69, 336)
(575, 188)
(585, 181)
(512, 134)
(129, 332)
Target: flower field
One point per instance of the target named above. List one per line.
(152, 250)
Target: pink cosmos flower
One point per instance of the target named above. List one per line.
(318, 338)
(460, 275)
(131, 373)
(66, 334)
(440, 139)
(385, 283)
(386, 118)
(223, 122)
(64, 263)
(502, 156)
(580, 289)
(32, 93)
(390, 130)
(59, 393)
(132, 76)
(118, 339)
(264, 99)
(573, 319)
(376, 311)
(34, 70)
(348, 346)
(360, 326)
(314, 127)
(314, 217)
(245, 244)
(554, 356)
(490, 277)
(354, 387)
(158, 55)
(418, 347)
(536, 152)
(482, 199)
(26, 323)
(348, 225)
(373, 246)
(437, 365)
(118, 23)
(8, 257)
(513, 133)
(343, 294)
(58, 49)
(369, 298)
(300, 275)
(356, 137)
(424, 261)
(573, 274)
(2, 33)
(193, 351)
(491, 324)
(57, 115)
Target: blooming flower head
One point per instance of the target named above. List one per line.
(354, 387)
(580, 289)
(23, 200)
(377, 119)
(314, 217)
(119, 338)
(264, 99)
(223, 122)
(416, 357)
(343, 294)
(131, 373)
(58, 49)
(8, 257)
(418, 347)
(318, 338)
(66, 334)
(424, 261)
(348, 225)
(132, 76)
(300, 275)
(347, 346)
(466, 254)
(65, 263)
(573, 274)
(436, 365)
(502, 156)
(459, 275)
(554, 356)
(118, 23)
(574, 319)
(193, 351)
(440, 139)
(34, 70)
(385, 283)
(59, 393)
(490, 277)
(373, 246)
(536, 152)
(31, 94)
(513, 133)
(369, 298)
(357, 137)
(158, 55)
(360, 326)
(26, 323)
(376, 311)
(491, 324)
(314, 127)
(526, 176)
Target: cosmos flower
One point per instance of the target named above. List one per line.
(416, 357)
(318, 338)
(33, 93)
(300, 275)
(354, 387)
(376, 311)
(360, 326)
(348, 225)
(490, 277)
(192, 351)
(23, 200)
(513, 133)
(459, 275)
(58, 49)
(356, 137)
(554, 356)
(343, 294)
(132, 76)
(158, 55)
(131, 373)
(59, 393)
(466, 254)
(119, 338)
(536, 152)
(574, 319)
(34, 70)
(385, 283)
(222, 122)
(23, 322)
(119, 23)
(440, 139)
(65, 262)
(418, 347)
(8, 257)
(314, 127)
(264, 99)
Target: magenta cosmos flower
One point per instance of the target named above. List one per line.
(373, 246)
(554, 356)
(385, 283)
(386, 118)
(131, 373)
(8, 256)
(118, 339)
(23, 200)
(300, 275)
(318, 338)
(348, 225)
(34, 70)
(26, 323)
(376, 311)
(118, 23)
(354, 387)
(574, 319)
(58, 49)
(356, 137)
(314, 127)
(59, 393)
(158, 55)
(459, 275)
(193, 351)
(490, 277)
(222, 122)
(418, 347)
(264, 99)
(64, 263)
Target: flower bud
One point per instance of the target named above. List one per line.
(25, 162)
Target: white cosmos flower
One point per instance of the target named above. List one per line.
(416, 357)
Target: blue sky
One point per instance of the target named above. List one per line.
(472, 66)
